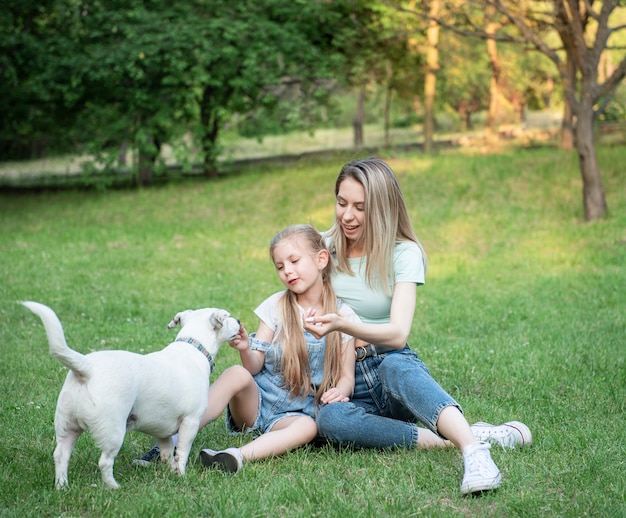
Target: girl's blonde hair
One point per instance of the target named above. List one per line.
(386, 222)
(295, 366)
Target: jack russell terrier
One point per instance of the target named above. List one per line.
(112, 392)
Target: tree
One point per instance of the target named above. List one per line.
(430, 81)
(585, 33)
(138, 70)
(254, 50)
(145, 72)
(366, 60)
(404, 75)
(585, 30)
(464, 77)
(36, 105)
(79, 72)
(495, 85)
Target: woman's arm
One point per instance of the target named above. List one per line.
(345, 386)
(393, 334)
(252, 359)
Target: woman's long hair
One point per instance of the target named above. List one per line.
(386, 221)
(295, 366)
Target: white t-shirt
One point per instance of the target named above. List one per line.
(269, 312)
(373, 305)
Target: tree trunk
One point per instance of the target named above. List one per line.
(430, 80)
(144, 169)
(594, 201)
(547, 94)
(358, 119)
(121, 157)
(567, 125)
(494, 85)
(209, 116)
(146, 157)
(387, 103)
(387, 115)
(463, 116)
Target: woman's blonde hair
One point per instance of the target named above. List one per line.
(295, 366)
(386, 221)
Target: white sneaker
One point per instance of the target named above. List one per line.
(481, 473)
(508, 435)
(230, 459)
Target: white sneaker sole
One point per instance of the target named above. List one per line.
(486, 485)
(220, 460)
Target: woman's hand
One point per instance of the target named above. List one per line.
(320, 326)
(333, 395)
(241, 341)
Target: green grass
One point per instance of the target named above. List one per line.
(523, 317)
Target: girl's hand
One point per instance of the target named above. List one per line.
(322, 325)
(241, 341)
(333, 395)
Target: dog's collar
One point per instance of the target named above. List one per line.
(200, 348)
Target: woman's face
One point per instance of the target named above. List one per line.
(350, 209)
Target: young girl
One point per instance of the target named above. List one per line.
(380, 263)
(286, 371)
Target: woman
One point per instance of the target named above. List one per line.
(379, 264)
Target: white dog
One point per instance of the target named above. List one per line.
(112, 392)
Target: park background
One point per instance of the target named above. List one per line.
(150, 151)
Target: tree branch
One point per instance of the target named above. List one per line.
(473, 31)
(611, 83)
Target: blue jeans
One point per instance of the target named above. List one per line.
(392, 393)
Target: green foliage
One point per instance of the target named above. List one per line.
(522, 316)
(616, 108)
(144, 73)
(291, 60)
(464, 77)
(36, 101)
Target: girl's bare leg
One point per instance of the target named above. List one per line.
(235, 388)
(286, 434)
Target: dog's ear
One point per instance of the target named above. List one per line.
(217, 318)
(175, 321)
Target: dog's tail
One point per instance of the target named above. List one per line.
(56, 339)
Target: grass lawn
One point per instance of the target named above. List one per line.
(523, 316)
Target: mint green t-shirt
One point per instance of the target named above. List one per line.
(373, 306)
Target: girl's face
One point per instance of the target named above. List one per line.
(299, 269)
(350, 209)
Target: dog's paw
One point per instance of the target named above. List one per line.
(178, 468)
